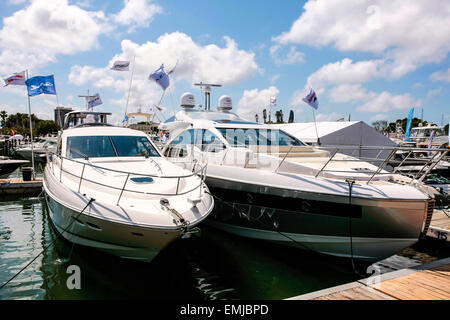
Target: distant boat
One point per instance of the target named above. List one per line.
(421, 136)
(8, 166)
(39, 149)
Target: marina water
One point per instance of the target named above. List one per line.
(208, 266)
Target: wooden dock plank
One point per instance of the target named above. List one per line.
(440, 219)
(404, 291)
(430, 282)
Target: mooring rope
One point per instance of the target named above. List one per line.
(45, 249)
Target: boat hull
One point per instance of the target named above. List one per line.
(125, 241)
(9, 166)
(368, 230)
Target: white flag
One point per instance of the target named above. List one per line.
(95, 101)
(273, 101)
(121, 66)
(311, 99)
(16, 79)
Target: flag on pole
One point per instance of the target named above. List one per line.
(160, 77)
(273, 101)
(16, 79)
(430, 141)
(408, 125)
(125, 119)
(13, 132)
(40, 84)
(121, 66)
(94, 101)
(311, 99)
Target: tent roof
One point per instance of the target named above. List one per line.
(307, 132)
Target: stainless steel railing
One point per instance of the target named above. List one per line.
(199, 172)
(423, 171)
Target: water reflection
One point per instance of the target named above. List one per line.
(212, 265)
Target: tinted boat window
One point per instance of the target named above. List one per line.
(131, 146)
(258, 137)
(91, 147)
(106, 146)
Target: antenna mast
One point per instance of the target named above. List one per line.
(87, 98)
(206, 88)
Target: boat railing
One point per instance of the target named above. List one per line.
(435, 156)
(198, 170)
(379, 160)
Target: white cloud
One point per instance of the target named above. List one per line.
(386, 102)
(344, 72)
(209, 63)
(35, 35)
(255, 101)
(349, 92)
(137, 13)
(379, 116)
(291, 57)
(329, 117)
(434, 92)
(274, 78)
(443, 75)
(405, 34)
(83, 4)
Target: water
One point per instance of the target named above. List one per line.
(209, 266)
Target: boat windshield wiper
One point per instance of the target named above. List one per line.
(85, 157)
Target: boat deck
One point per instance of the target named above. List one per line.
(426, 282)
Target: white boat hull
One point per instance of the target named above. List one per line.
(125, 241)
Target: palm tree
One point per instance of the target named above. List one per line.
(279, 115)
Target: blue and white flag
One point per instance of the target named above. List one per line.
(161, 77)
(408, 125)
(94, 101)
(41, 84)
(311, 99)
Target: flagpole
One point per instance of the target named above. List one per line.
(315, 125)
(31, 129)
(131, 82)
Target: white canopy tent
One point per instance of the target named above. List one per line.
(341, 134)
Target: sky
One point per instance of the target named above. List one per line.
(372, 60)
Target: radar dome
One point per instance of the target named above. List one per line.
(225, 103)
(187, 100)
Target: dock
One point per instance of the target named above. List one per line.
(440, 225)
(425, 282)
(19, 187)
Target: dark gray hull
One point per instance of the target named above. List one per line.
(368, 229)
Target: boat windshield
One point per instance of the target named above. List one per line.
(258, 137)
(425, 133)
(109, 146)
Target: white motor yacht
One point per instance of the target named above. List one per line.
(269, 185)
(40, 149)
(109, 188)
